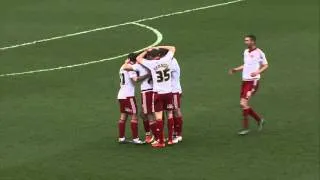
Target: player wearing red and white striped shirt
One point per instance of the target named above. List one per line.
(255, 63)
(128, 106)
(160, 68)
(146, 88)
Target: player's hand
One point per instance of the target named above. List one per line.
(231, 71)
(127, 61)
(254, 74)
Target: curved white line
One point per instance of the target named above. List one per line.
(155, 31)
(118, 25)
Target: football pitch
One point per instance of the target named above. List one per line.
(59, 63)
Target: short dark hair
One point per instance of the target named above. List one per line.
(153, 53)
(252, 37)
(163, 51)
(133, 57)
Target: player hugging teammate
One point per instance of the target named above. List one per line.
(159, 73)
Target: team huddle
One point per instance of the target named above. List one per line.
(158, 73)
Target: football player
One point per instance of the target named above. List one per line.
(254, 64)
(146, 88)
(160, 68)
(128, 106)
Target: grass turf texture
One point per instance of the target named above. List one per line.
(62, 124)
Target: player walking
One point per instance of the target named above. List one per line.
(128, 106)
(160, 68)
(255, 63)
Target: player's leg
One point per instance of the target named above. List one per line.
(170, 126)
(158, 109)
(245, 113)
(177, 115)
(144, 113)
(148, 117)
(253, 113)
(149, 126)
(122, 127)
(122, 120)
(132, 105)
(168, 105)
(159, 130)
(248, 89)
(178, 123)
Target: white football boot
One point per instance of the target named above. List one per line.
(137, 141)
(243, 132)
(261, 124)
(122, 140)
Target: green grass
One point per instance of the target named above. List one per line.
(62, 124)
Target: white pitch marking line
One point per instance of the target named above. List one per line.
(155, 31)
(118, 25)
(159, 38)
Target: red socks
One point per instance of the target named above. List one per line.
(254, 115)
(170, 128)
(146, 126)
(159, 131)
(122, 128)
(249, 112)
(134, 128)
(178, 125)
(153, 127)
(245, 121)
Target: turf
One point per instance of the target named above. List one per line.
(62, 124)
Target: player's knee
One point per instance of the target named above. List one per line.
(134, 120)
(121, 121)
(243, 104)
(134, 116)
(170, 114)
(158, 115)
(178, 113)
(123, 116)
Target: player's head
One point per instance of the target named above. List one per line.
(133, 57)
(250, 40)
(163, 52)
(154, 54)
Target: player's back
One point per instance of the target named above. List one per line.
(127, 86)
(146, 84)
(161, 73)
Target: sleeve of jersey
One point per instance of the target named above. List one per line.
(135, 67)
(173, 65)
(263, 59)
(168, 56)
(132, 74)
(146, 63)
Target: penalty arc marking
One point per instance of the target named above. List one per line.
(158, 41)
(105, 28)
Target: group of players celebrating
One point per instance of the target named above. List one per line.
(159, 75)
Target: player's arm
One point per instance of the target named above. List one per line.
(127, 66)
(169, 48)
(141, 78)
(263, 67)
(236, 69)
(140, 58)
